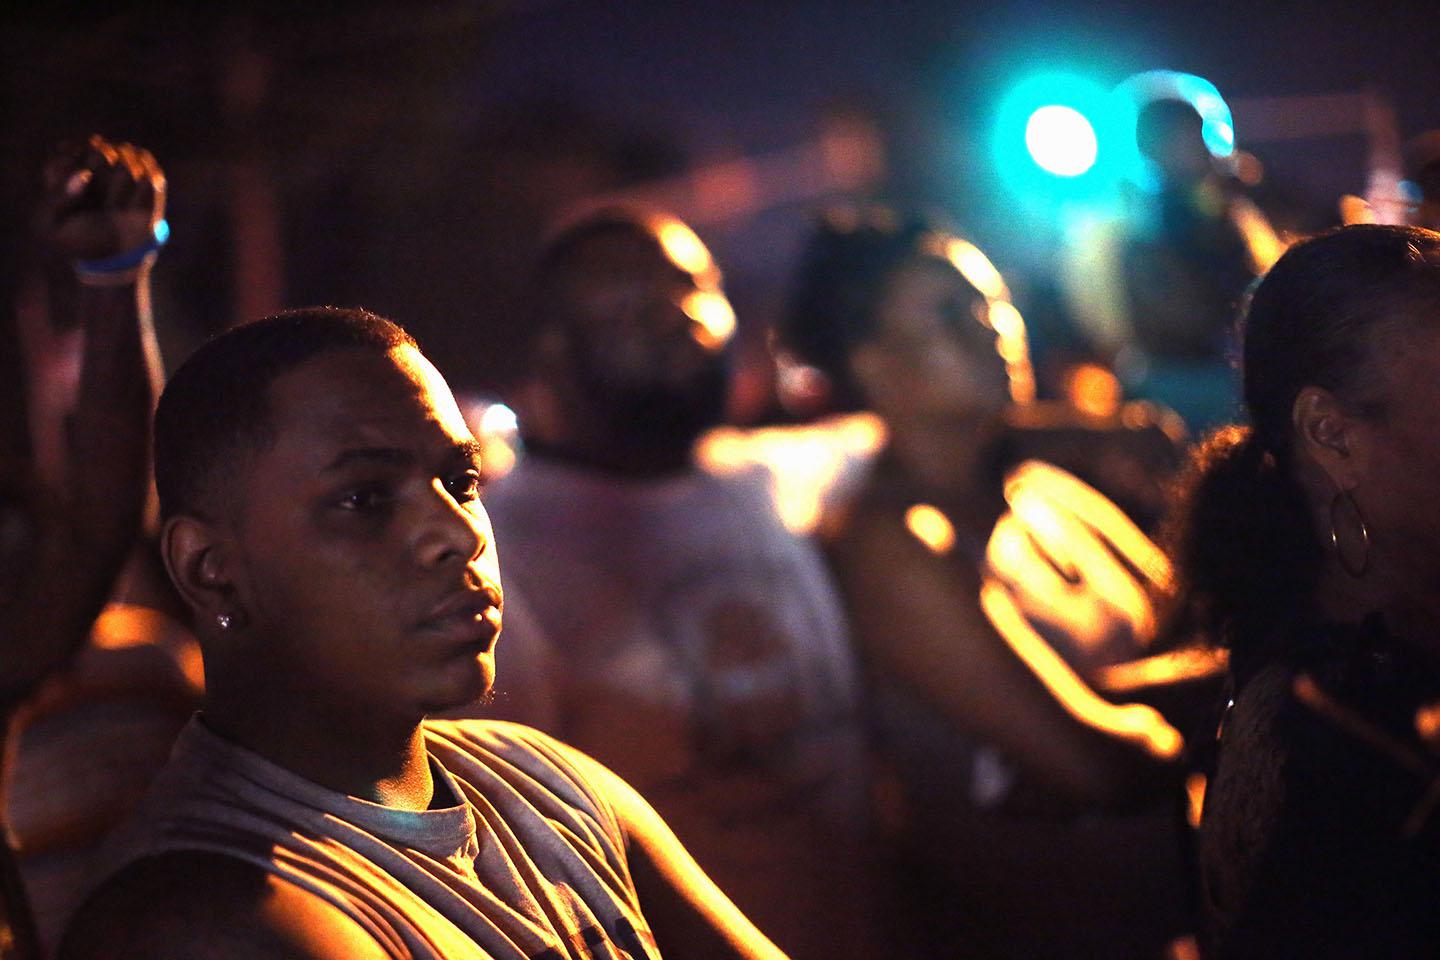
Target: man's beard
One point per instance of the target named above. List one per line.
(642, 416)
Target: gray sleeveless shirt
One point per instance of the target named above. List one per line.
(531, 863)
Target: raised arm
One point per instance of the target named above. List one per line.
(925, 626)
(65, 534)
(96, 229)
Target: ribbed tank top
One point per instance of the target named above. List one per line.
(531, 862)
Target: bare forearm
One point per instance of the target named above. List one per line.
(109, 449)
(82, 531)
(930, 634)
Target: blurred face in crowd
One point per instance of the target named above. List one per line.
(647, 336)
(931, 358)
(1172, 135)
(361, 557)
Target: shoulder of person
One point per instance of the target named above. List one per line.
(195, 905)
(503, 738)
(548, 761)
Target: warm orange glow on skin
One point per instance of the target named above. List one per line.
(1134, 723)
(1261, 241)
(931, 527)
(1000, 313)
(686, 250)
(1096, 511)
(1013, 348)
(713, 316)
(1071, 557)
(1177, 666)
(125, 625)
(1195, 785)
(976, 268)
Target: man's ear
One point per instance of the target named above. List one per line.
(1326, 434)
(195, 557)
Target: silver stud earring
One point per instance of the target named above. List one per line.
(224, 621)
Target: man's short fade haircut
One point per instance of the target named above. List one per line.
(215, 409)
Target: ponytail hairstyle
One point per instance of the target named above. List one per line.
(1243, 539)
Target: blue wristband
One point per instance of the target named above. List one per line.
(130, 259)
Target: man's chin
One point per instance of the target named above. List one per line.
(471, 689)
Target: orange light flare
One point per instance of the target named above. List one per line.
(714, 318)
(1069, 554)
(809, 466)
(976, 268)
(685, 248)
(1134, 723)
(1427, 725)
(999, 313)
(1163, 669)
(931, 527)
(1013, 348)
(1065, 555)
(1094, 390)
(1195, 785)
(1042, 480)
(1052, 590)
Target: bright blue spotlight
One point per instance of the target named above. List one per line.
(1061, 140)
(1054, 142)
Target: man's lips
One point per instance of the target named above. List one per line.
(467, 615)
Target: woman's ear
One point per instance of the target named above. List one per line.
(195, 558)
(1327, 435)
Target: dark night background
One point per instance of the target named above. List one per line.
(407, 157)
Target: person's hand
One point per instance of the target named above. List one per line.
(100, 199)
(1077, 568)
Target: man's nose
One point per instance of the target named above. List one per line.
(450, 530)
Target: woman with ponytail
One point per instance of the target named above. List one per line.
(1310, 548)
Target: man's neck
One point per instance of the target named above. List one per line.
(384, 763)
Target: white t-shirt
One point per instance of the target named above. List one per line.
(700, 651)
(691, 631)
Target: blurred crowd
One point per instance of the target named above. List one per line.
(939, 659)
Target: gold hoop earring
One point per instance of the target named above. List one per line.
(1356, 569)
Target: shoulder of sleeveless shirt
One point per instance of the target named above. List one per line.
(191, 905)
(537, 754)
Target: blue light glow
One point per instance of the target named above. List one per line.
(1218, 125)
(1055, 142)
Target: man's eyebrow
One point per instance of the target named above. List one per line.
(389, 456)
(467, 450)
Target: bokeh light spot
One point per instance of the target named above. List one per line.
(1061, 140)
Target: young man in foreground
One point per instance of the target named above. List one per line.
(322, 521)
